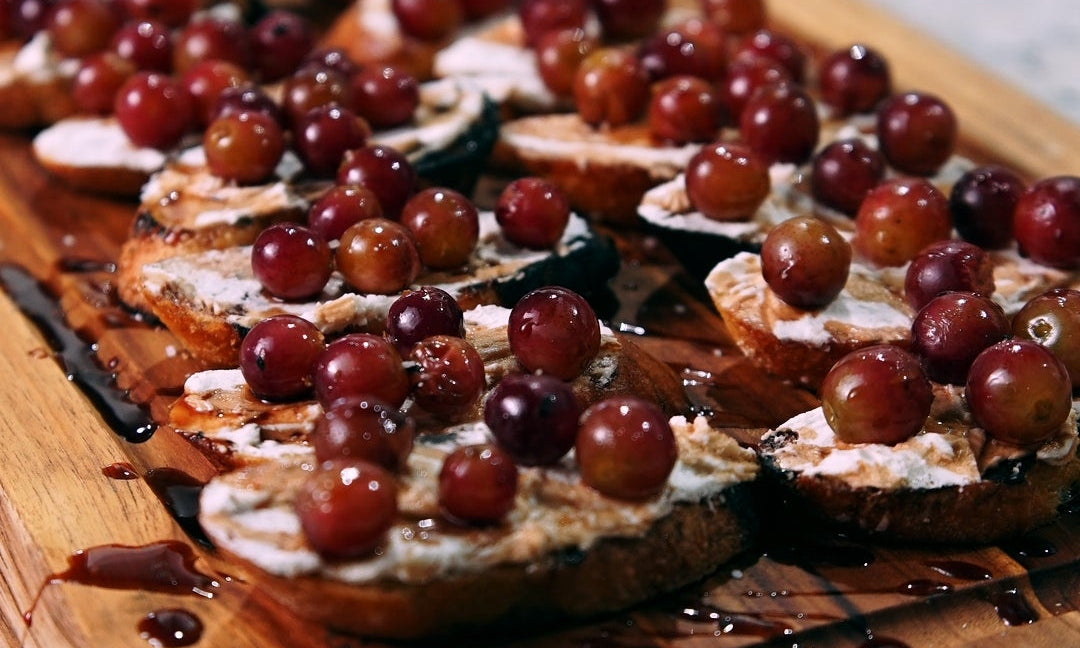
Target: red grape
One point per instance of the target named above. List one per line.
(778, 47)
(878, 394)
(378, 256)
(154, 110)
(384, 170)
(553, 330)
(1019, 392)
(532, 213)
(211, 38)
(534, 418)
(625, 448)
(247, 98)
(280, 41)
(1053, 320)
(745, 76)
(898, 219)
(916, 132)
(559, 55)
(805, 261)
(359, 366)
(449, 377)
(277, 357)
(477, 484)
(945, 266)
(611, 87)
(445, 225)
(780, 123)
(98, 80)
(694, 46)
(206, 80)
(346, 508)
(428, 20)
(684, 109)
(628, 19)
(727, 182)
(385, 96)
(844, 172)
(953, 328)
(324, 134)
(173, 13)
(311, 87)
(539, 17)
(340, 207)
(147, 44)
(291, 261)
(736, 16)
(79, 28)
(244, 147)
(365, 429)
(1046, 222)
(854, 80)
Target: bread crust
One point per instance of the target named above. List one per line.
(681, 548)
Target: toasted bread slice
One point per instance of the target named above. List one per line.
(950, 483)
(35, 84)
(210, 299)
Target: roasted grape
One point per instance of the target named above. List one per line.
(553, 330)
(879, 394)
(384, 170)
(365, 429)
(898, 219)
(445, 225)
(611, 87)
(477, 484)
(534, 418)
(684, 109)
(854, 80)
(945, 266)
(628, 19)
(385, 96)
(558, 56)
(359, 366)
(625, 448)
(291, 261)
(982, 202)
(736, 16)
(916, 132)
(324, 134)
(280, 41)
(844, 172)
(244, 147)
(79, 28)
(147, 44)
(97, 81)
(346, 508)
(778, 47)
(805, 261)
(1053, 320)
(448, 376)
(952, 329)
(533, 213)
(154, 110)
(1046, 222)
(277, 357)
(340, 207)
(428, 20)
(727, 182)
(539, 17)
(780, 123)
(1019, 392)
(378, 256)
(422, 313)
(693, 47)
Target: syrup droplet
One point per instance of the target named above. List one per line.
(734, 623)
(167, 567)
(170, 628)
(120, 470)
(883, 642)
(85, 265)
(76, 357)
(960, 570)
(179, 492)
(1013, 609)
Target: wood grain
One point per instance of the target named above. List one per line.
(54, 499)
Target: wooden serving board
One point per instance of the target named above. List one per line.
(56, 498)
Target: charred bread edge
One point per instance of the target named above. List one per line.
(683, 547)
(459, 165)
(977, 513)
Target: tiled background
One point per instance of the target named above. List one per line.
(1035, 44)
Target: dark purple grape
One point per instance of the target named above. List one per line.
(277, 357)
(422, 313)
(917, 132)
(946, 266)
(1019, 392)
(952, 329)
(533, 417)
(982, 203)
(879, 394)
(844, 172)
